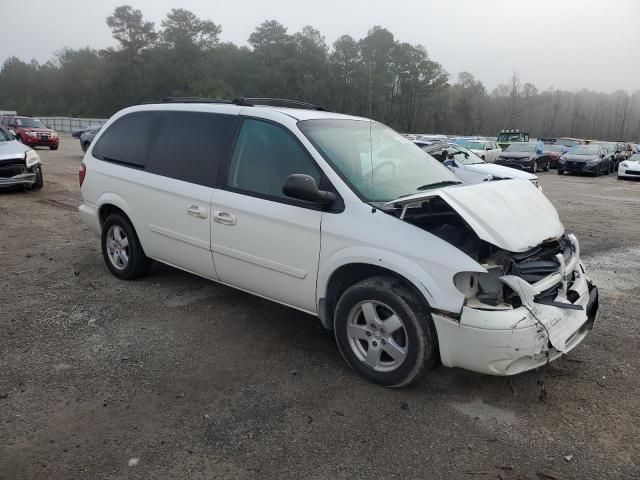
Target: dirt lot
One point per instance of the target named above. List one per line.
(176, 377)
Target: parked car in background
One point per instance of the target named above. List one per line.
(19, 165)
(554, 152)
(87, 137)
(470, 167)
(614, 153)
(591, 159)
(343, 218)
(524, 156)
(80, 131)
(630, 168)
(569, 142)
(487, 150)
(507, 137)
(32, 132)
(547, 140)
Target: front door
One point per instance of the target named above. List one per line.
(263, 241)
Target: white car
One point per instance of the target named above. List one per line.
(20, 165)
(342, 218)
(469, 167)
(487, 150)
(630, 168)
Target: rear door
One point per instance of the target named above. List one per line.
(263, 241)
(184, 157)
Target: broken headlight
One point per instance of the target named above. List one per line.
(483, 288)
(31, 158)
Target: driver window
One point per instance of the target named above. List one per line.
(264, 156)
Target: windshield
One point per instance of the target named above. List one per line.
(635, 157)
(509, 137)
(463, 155)
(567, 142)
(585, 150)
(30, 123)
(379, 163)
(521, 147)
(4, 136)
(472, 144)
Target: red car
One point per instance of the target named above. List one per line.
(32, 132)
(554, 152)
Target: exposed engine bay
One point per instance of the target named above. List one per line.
(486, 291)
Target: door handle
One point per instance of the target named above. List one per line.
(196, 211)
(224, 218)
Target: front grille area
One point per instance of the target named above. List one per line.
(8, 170)
(632, 172)
(539, 262)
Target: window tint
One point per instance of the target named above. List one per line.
(264, 156)
(127, 139)
(189, 146)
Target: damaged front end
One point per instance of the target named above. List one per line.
(529, 306)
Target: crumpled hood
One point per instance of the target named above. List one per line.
(510, 214)
(12, 149)
(500, 171)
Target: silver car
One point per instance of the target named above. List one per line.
(20, 165)
(87, 136)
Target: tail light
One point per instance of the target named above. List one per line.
(82, 173)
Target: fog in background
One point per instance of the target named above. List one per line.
(567, 44)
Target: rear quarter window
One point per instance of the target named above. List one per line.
(190, 146)
(126, 141)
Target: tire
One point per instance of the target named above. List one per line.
(560, 172)
(413, 342)
(53, 147)
(39, 180)
(132, 262)
(534, 167)
(546, 166)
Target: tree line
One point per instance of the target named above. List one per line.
(376, 76)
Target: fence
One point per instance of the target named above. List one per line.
(68, 124)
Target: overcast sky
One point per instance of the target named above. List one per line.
(568, 44)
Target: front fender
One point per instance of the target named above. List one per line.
(436, 286)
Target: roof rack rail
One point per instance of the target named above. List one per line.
(283, 101)
(242, 102)
(194, 100)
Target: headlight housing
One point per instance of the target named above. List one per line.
(31, 158)
(624, 164)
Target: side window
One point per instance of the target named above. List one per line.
(264, 156)
(127, 139)
(189, 146)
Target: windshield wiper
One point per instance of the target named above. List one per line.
(438, 184)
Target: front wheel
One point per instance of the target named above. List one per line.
(39, 179)
(53, 147)
(121, 248)
(385, 332)
(534, 167)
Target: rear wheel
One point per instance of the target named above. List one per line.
(121, 248)
(546, 166)
(385, 332)
(534, 167)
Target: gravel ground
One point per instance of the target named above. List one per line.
(177, 377)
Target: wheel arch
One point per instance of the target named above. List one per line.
(331, 287)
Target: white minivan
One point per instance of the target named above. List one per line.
(343, 218)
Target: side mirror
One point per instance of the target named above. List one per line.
(304, 187)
